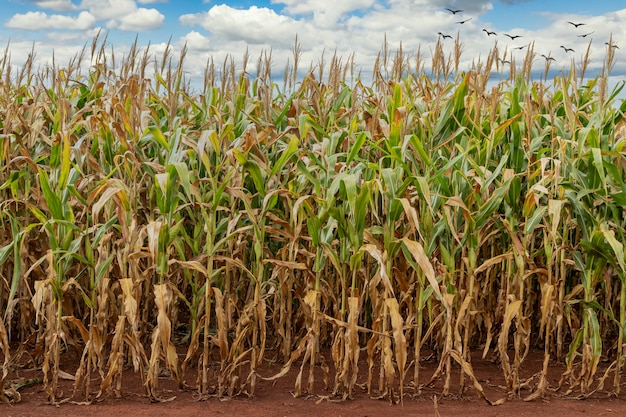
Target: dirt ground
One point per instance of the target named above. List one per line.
(276, 399)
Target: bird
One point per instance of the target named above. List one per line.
(548, 58)
(521, 47)
(489, 33)
(576, 24)
(585, 35)
(567, 49)
(463, 21)
(612, 45)
(453, 11)
(444, 36)
(513, 37)
(504, 61)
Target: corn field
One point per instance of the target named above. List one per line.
(318, 222)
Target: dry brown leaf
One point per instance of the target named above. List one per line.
(493, 261)
(380, 257)
(287, 264)
(400, 348)
(417, 250)
(6, 395)
(161, 343)
(154, 229)
(112, 380)
(411, 214)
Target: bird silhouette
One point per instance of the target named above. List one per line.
(504, 61)
(444, 36)
(567, 49)
(612, 45)
(463, 21)
(521, 47)
(489, 33)
(585, 35)
(513, 37)
(453, 11)
(548, 58)
(576, 24)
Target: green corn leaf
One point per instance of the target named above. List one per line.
(617, 246)
(304, 170)
(5, 251)
(598, 163)
(287, 153)
(53, 200)
(283, 113)
(490, 206)
(534, 220)
(184, 176)
(257, 176)
(157, 134)
(356, 146)
(65, 162)
(315, 228)
(595, 335)
(574, 346)
(253, 170)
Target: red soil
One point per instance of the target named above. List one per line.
(275, 399)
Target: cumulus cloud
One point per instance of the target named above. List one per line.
(72, 38)
(196, 41)
(109, 9)
(511, 2)
(142, 19)
(255, 25)
(124, 14)
(468, 6)
(325, 11)
(43, 21)
(56, 5)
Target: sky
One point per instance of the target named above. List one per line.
(220, 29)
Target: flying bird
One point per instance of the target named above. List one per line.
(521, 47)
(612, 45)
(454, 11)
(489, 33)
(567, 49)
(504, 61)
(444, 36)
(463, 21)
(576, 24)
(548, 58)
(513, 37)
(585, 35)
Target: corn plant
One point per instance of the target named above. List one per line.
(433, 210)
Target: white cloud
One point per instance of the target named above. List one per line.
(325, 11)
(69, 38)
(125, 15)
(196, 41)
(109, 9)
(142, 19)
(152, 1)
(44, 52)
(56, 5)
(256, 25)
(43, 21)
